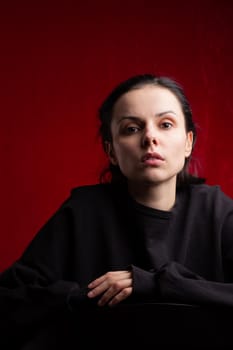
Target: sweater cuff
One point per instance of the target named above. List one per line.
(145, 284)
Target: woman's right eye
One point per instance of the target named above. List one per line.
(131, 129)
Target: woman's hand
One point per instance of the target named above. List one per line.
(114, 286)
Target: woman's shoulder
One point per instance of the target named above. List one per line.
(95, 198)
(90, 190)
(207, 189)
(96, 193)
(209, 194)
(203, 200)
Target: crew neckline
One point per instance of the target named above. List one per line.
(165, 214)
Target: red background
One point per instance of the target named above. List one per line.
(58, 62)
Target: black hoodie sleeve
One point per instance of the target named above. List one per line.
(36, 287)
(175, 283)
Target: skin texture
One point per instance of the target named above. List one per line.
(149, 144)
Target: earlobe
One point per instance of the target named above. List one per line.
(189, 144)
(110, 152)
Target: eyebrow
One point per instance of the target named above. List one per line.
(165, 112)
(136, 118)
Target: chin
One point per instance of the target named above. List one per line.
(148, 180)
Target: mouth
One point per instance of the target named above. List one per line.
(151, 157)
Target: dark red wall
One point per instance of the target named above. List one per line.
(60, 59)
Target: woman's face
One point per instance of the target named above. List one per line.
(149, 140)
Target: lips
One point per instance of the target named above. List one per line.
(152, 156)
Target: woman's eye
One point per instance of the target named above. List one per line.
(166, 125)
(131, 129)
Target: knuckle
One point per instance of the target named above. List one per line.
(116, 285)
(109, 274)
(109, 277)
(125, 292)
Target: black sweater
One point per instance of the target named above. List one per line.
(185, 255)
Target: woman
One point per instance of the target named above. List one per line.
(150, 231)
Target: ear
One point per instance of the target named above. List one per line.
(110, 152)
(189, 144)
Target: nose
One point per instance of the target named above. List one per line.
(149, 138)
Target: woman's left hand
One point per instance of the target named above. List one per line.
(114, 286)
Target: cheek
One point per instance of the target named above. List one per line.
(122, 148)
(125, 154)
(181, 140)
(178, 147)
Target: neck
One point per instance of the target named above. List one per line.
(157, 196)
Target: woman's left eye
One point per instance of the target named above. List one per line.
(166, 125)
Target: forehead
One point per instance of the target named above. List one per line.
(147, 99)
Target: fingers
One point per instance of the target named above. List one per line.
(114, 286)
(114, 298)
(118, 291)
(112, 275)
(104, 282)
